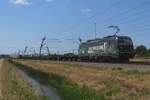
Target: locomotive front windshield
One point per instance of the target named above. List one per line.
(125, 43)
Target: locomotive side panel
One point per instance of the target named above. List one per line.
(101, 48)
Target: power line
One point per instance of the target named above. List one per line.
(127, 18)
(95, 29)
(127, 11)
(106, 10)
(93, 16)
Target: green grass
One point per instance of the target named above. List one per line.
(66, 88)
(14, 87)
(113, 84)
(113, 88)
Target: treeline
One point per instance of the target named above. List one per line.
(142, 51)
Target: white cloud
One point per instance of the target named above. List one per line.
(49, 0)
(20, 2)
(86, 10)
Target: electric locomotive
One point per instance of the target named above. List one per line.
(108, 48)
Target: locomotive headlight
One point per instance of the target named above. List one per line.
(116, 38)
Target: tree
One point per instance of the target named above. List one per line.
(141, 51)
(149, 52)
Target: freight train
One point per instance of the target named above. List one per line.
(110, 48)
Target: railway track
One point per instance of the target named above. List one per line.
(139, 63)
(129, 65)
(132, 65)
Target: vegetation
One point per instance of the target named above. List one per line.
(14, 87)
(74, 82)
(66, 88)
(142, 51)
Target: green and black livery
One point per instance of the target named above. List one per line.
(110, 47)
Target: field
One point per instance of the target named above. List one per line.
(92, 83)
(13, 86)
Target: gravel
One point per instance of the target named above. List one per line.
(110, 65)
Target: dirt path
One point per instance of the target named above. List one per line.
(1, 61)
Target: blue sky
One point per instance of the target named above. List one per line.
(25, 22)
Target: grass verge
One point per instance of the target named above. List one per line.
(109, 83)
(66, 88)
(14, 87)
